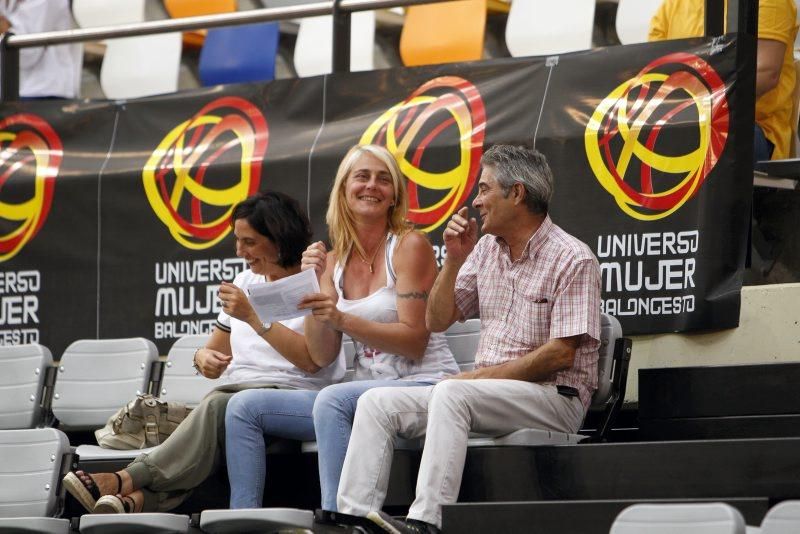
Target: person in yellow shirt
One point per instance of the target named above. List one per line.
(775, 75)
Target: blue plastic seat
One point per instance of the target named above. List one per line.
(239, 54)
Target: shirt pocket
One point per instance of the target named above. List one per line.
(530, 320)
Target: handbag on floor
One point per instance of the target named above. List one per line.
(143, 422)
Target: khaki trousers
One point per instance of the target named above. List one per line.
(445, 414)
(168, 474)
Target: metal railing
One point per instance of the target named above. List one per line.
(740, 15)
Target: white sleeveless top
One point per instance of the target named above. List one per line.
(381, 307)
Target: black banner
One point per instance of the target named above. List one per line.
(114, 217)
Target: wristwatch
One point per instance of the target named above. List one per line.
(265, 327)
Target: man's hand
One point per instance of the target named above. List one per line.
(212, 363)
(460, 236)
(315, 257)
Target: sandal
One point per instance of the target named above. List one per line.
(111, 504)
(86, 494)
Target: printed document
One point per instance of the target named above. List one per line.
(278, 300)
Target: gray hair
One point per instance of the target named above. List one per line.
(527, 166)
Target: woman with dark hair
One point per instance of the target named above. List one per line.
(271, 233)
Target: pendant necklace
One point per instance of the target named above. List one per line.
(372, 259)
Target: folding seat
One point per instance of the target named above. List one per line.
(443, 33)
(783, 518)
(633, 19)
(98, 377)
(31, 463)
(544, 27)
(313, 50)
(180, 381)
(612, 374)
(462, 338)
(239, 54)
(132, 66)
(690, 518)
(23, 369)
(256, 520)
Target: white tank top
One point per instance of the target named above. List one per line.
(381, 307)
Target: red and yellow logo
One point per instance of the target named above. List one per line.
(192, 200)
(654, 139)
(443, 112)
(28, 147)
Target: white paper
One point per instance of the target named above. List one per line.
(278, 300)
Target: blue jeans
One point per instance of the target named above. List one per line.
(252, 416)
(334, 410)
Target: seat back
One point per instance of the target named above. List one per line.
(97, 377)
(89, 13)
(239, 54)
(443, 33)
(194, 8)
(30, 471)
(633, 19)
(462, 338)
(313, 50)
(610, 332)
(694, 518)
(134, 67)
(180, 382)
(22, 372)
(544, 27)
(783, 518)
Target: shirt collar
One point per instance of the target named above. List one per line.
(534, 243)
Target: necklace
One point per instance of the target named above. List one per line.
(372, 259)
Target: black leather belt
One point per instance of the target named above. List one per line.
(567, 391)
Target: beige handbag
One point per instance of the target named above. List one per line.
(143, 422)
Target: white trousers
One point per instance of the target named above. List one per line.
(445, 413)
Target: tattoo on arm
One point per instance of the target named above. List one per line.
(414, 295)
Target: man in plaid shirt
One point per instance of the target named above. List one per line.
(537, 291)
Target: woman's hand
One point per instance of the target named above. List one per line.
(236, 304)
(211, 363)
(315, 257)
(323, 307)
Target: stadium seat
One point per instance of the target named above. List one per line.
(612, 375)
(178, 382)
(195, 8)
(132, 66)
(443, 33)
(96, 377)
(694, 518)
(794, 145)
(350, 355)
(783, 518)
(256, 520)
(462, 339)
(144, 523)
(90, 13)
(238, 54)
(22, 379)
(633, 20)
(544, 27)
(313, 50)
(30, 475)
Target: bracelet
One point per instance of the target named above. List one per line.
(194, 361)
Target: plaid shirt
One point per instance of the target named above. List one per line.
(551, 291)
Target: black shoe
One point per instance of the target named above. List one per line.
(327, 517)
(401, 526)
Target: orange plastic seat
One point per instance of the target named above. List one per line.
(443, 33)
(195, 8)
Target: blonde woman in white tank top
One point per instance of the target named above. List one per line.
(374, 284)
